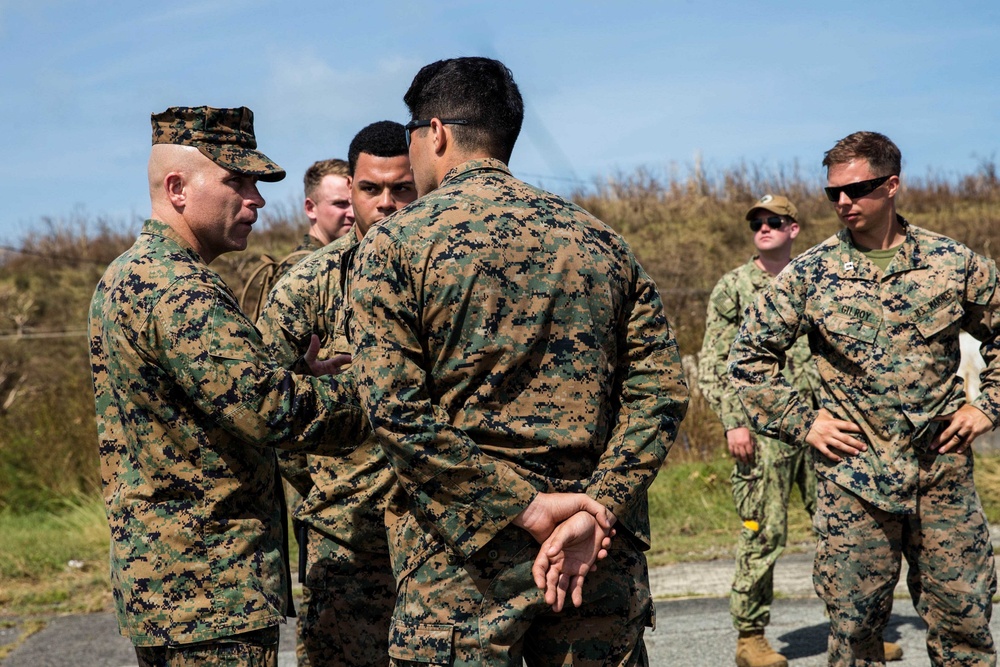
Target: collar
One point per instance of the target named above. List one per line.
(154, 227)
(758, 276)
(463, 170)
(852, 263)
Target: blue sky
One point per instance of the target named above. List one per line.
(608, 86)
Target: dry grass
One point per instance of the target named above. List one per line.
(686, 227)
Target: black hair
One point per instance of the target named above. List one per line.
(479, 90)
(385, 138)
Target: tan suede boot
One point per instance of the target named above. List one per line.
(753, 650)
(893, 652)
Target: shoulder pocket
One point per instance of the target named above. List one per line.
(233, 336)
(852, 328)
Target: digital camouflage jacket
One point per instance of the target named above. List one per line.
(731, 296)
(886, 349)
(507, 343)
(188, 407)
(343, 497)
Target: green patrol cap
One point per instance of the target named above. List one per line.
(775, 204)
(225, 136)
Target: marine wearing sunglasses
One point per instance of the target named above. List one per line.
(856, 190)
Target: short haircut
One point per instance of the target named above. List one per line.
(882, 155)
(320, 170)
(385, 138)
(479, 90)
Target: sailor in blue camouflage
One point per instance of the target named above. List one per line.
(882, 304)
(765, 470)
(512, 354)
(348, 576)
(189, 406)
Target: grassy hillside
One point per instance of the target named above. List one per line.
(687, 229)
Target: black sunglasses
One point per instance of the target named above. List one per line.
(774, 222)
(414, 124)
(856, 190)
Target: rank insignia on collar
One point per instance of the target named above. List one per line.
(848, 266)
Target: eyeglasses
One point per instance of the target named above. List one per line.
(774, 222)
(856, 190)
(415, 124)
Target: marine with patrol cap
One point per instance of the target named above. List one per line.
(189, 406)
(766, 471)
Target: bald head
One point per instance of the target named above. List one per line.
(210, 206)
(167, 158)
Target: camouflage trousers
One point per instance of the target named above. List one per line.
(951, 578)
(258, 648)
(350, 600)
(761, 491)
(487, 611)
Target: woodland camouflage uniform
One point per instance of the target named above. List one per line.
(349, 577)
(267, 272)
(294, 466)
(189, 406)
(509, 343)
(886, 348)
(761, 489)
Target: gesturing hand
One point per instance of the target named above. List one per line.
(565, 558)
(332, 366)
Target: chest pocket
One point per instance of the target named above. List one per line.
(934, 322)
(859, 330)
(340, 344)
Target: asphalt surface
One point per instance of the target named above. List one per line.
(691, 631)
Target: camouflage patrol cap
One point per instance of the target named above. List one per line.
(774, 204)
(225, 136)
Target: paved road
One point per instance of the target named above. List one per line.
(690, 632)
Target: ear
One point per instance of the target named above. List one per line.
(174, 187)
(793, 230)
(440, 136)
(894, 185)
(310, 208)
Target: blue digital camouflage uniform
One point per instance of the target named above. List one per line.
(188, 408)
(509, 343)
(348, 578)
(761, 489)
(886, 348)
